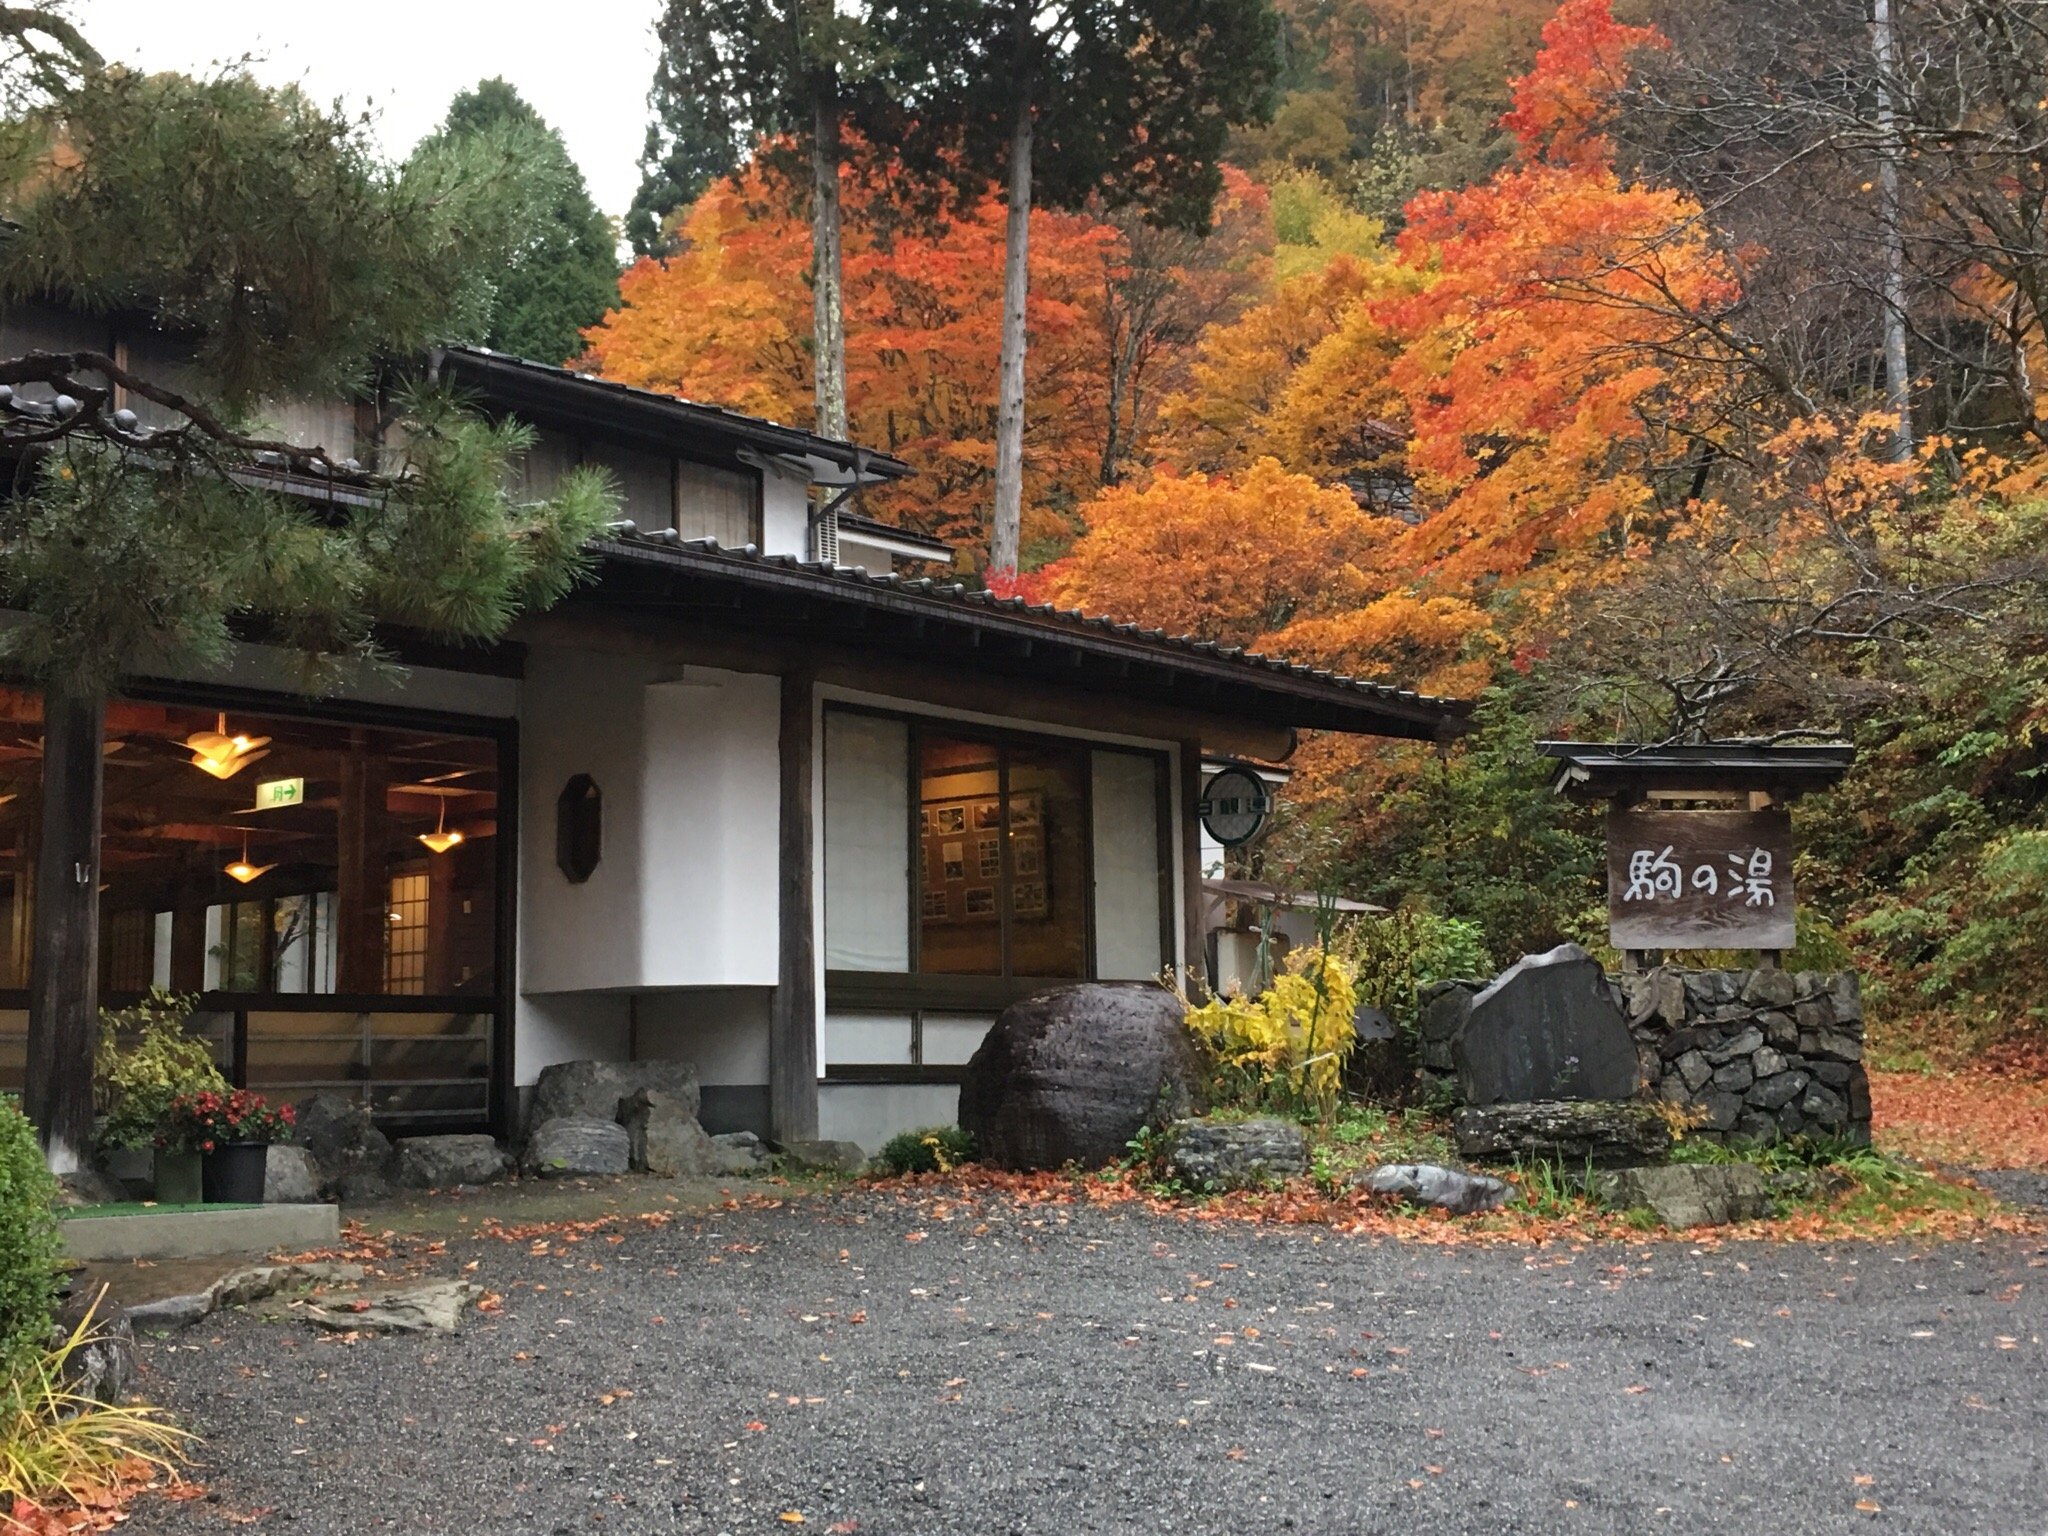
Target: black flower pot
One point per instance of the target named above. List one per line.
(232, 1173)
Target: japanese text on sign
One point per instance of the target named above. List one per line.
(1699, 879)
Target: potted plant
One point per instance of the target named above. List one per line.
(232, 1133)
(147, 1059)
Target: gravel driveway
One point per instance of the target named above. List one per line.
(893, 1369)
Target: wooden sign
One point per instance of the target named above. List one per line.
(1699, 879)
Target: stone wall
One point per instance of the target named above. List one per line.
(1763, 1054)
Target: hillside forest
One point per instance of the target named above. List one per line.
(1644, 371)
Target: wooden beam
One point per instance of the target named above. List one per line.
(793, 1022)
(64, 986)
(1047, 702)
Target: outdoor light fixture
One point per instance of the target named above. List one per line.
(222, 755)
(242, 870)
(442, 838)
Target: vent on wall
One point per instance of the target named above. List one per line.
(825, 537)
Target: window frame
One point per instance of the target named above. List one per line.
(916, 991)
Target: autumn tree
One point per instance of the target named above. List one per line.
(783, 77)
(1130, 101)
(148, 522)
(726, 319)
(564, 271)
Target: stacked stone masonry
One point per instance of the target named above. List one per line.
(1758, 1055)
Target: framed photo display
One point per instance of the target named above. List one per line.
(962, 851)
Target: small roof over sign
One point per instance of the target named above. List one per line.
(1627, 770)
(1273, 896)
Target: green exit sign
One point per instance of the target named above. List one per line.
(273, 793)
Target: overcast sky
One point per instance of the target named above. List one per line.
(585, 65)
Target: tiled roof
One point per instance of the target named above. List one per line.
(1236, 664)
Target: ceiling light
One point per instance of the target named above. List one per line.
(242, 870)
(442, 838)
(222, 755)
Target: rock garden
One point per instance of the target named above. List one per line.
(1553, 1098)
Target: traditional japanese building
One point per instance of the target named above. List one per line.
(773, 793)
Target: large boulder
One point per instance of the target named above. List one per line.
(592, 1090)
(1462, 1194)
(1547, 1028)
(1241, 1154)
(576, 1146)
(1571, 1132)
(442, 1162)
(1688, 1194)
(664, 1138)
(1072, 1075)
(290, 1176)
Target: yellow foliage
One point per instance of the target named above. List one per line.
(1294, 1037)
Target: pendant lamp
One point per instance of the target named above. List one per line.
(443, 837)
(217, 753)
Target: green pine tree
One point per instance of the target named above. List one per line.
(280, 258)
(564, 274)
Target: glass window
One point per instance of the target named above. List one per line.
(1047, 861)
(1004, 858)
(960, 876)
(270, 854)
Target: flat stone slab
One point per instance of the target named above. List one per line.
(1688, 1194)
(1571, 1132)
(200, 1234)
(1235, 1154)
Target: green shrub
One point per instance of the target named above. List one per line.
(147, 1059)
(1400, 954)
(936, 1149)
(29, 1251)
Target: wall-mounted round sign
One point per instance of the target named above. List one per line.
(1235, 805)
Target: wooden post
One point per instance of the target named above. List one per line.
(793, 1022)
(362, 897)
(64, 981)
(1195, 963)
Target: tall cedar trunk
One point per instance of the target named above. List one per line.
(1006, 534)
(828, 299)
(1898, 379)
(64, 980)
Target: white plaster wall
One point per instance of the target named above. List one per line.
(868, 1114)
(709, 830)
(723, 1031)
(581, 714)
(785, 515)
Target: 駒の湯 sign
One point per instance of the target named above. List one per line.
(1699, 879)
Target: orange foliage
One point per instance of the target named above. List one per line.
(1971, 1119)
(1271, 560)
(1529, 366)
(728, 322)
(1561, 104)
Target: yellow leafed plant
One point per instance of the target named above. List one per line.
(1285, 1048)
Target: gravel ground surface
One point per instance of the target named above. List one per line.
(896, 1369)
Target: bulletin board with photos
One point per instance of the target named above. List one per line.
(962, 847)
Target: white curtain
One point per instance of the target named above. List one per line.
(867, 843)
(1128, 893)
